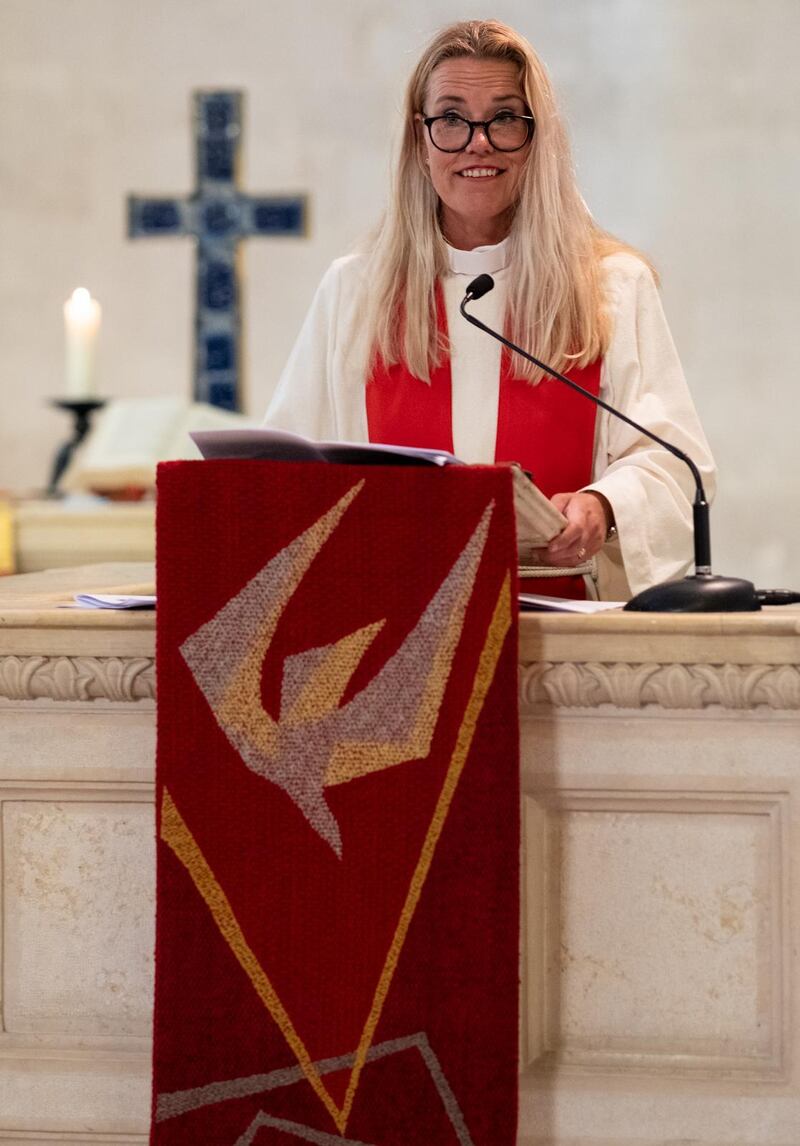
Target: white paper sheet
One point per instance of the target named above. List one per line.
(111, 601)
(538, 602)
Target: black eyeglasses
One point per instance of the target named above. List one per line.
(505, 132)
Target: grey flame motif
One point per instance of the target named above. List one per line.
(316, 740)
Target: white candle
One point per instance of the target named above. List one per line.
(81, 325)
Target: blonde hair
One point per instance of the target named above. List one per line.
(555, 300)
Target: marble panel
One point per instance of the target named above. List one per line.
(90, 1104)
(54, 743)
(78, 917)
(662, 942)
(604, 1115)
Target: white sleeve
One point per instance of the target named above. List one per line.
(650, 490)
(302, 402)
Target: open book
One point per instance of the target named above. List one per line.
(130, 436)
(538, 520)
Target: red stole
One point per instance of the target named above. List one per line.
(548, 428)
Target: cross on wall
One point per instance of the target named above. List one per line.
(218, 215)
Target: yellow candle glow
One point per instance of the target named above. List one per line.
(81, 326)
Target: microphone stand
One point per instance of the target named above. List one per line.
(700, 592)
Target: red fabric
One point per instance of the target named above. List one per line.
(402, 410)
(548, 428)
(319, 925)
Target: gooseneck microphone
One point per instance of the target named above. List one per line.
(700, 592)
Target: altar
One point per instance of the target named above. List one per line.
(59, 534)
(660, 948)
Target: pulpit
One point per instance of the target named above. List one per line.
(661, 902)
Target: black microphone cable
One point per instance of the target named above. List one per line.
(778, 596)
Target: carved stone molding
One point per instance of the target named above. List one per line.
(77, 678)
(559, 685)
(591, 684)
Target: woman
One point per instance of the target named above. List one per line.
(485, 183)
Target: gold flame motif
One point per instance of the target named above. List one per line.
(317, 741)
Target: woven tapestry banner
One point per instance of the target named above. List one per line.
(338, 797)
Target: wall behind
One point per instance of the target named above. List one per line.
(685, 116)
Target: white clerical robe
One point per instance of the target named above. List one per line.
(321, 394)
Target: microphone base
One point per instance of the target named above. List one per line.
(699, 593)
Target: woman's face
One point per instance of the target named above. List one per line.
(478, 187)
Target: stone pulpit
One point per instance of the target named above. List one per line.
(661, 793)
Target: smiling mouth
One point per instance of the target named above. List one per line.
(480, 172)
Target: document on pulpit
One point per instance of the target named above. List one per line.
(538, 520)
(541, 603)
(109, 601)
(282, 446)
(114, 601)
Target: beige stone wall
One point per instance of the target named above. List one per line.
(685, 118)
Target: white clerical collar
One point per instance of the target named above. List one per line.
(480, 261)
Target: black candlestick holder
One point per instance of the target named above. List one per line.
(81, 410)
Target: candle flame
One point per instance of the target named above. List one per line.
(81, 297)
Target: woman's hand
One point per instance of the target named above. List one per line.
(589, 517)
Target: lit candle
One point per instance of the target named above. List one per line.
(81, 324)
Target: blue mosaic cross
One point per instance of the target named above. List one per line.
(218, 215)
